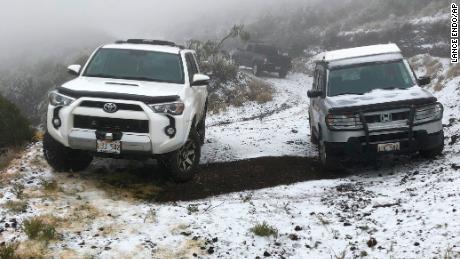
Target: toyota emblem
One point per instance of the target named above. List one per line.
(110, 107)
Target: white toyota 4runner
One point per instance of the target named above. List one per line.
(135, 98)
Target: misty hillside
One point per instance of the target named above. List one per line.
(303, 28)
(417, 26)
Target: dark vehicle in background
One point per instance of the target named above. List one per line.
(263, 57)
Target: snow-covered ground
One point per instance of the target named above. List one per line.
(406, 209)
(276, 128)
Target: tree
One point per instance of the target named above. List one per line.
(14, 128)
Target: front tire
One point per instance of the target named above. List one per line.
(329, 162)
(432, 153)
(256, 69)
(62, 158)
(183, 163)
(282, 73)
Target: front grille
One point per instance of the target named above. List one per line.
(121, 106)
(111, 124)
(396, 116)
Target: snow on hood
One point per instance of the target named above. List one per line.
(93, 84)
(378, 96)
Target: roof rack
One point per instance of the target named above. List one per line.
(150, 42)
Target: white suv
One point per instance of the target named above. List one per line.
(135, 98)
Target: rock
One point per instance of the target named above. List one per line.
(293, 237)
(454, 139)
(211, 250)
(298, 228)
(416, 244)
(267, 254)
(371, 242)
(294, 131)
(215, 239)
(347, 224)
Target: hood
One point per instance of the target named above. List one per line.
(92, 86)
(381, 97)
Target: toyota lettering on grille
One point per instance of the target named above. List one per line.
(110, 107)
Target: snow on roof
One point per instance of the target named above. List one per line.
(358, 52)
(148, 47)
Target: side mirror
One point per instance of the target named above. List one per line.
(200, 79)
(74, 70)
(424, 80)
(314, 94)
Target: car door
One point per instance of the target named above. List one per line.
(315, 103)
(199, 92)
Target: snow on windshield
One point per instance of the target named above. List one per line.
(363, 78)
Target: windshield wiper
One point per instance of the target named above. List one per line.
(103, 76)
(392, 88)
(143, 78)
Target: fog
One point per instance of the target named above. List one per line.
(53, 26)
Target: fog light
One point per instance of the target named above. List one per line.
(170, 131)
(57, 122)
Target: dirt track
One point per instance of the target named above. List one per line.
(150, 182)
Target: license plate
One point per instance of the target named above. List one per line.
(109, 146)
(387, 147)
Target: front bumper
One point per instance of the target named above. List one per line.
(152, 142)
(358, 147)
(86, 140)
(269, 67)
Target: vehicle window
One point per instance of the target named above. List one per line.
(363, 78)
(315, 80)
(320, 80)
(136, 65)
(266, 50)
(191, 66)
(195, 62)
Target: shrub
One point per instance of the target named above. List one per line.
(264, 230)
(15, 129)
(8, 251)
(37, 229)
(16, 206)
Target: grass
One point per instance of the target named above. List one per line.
(247, 90)
(7, 155)
(260, 91)
(16, 206)
(264, 230)
(192, 208)
(50, 186)
(37, 229)
(8, 251)
(18, 190)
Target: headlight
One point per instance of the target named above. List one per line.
(428, 113)
(176, 108)
(57, 99)
(344, 121)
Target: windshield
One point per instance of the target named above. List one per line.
(136, 65)
(367, 77)
(266, 50)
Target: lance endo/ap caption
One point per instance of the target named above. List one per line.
(454, 33)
